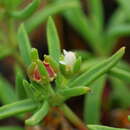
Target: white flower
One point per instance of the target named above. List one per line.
(69, 58)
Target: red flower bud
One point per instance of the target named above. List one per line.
(51, 72)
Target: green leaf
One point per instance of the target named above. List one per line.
(119, 89)
(125, 6)
(17, 107)
(39, 17)
(11, 128)
(7, 94)
(117, 18)
(101, 127)
(96, 14)
(118, 31)
(34, 54)
(120, 74)
(79, 21)
(28, 89)
(92, 104)
(53, 40)
(39, 115)
(71, 92)
(19, 76)
(114, 33)
(98, 70)
(24, 45)
(27, 11)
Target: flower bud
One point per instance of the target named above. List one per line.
(41, 71)
(69, 63)
(69, 58)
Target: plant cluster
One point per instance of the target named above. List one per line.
(41, 85)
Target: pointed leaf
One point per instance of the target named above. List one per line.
(98, 70)
(79, 21)
(27, 11)
(71, 92)
(28, 89)
(24, 45)
(19, 76)
(17, 107)
(39, 17)
(39, 115)
(120, 74)
(53, 40)
(96, 13)
(92, 104)
(34, 54)
(7, 94)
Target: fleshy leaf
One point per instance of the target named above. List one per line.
(98, 70)
(92, 104)
(53, 40)
(24, 45)
(120, 74)
(39, 115)
(71, 92)
(17, 107)
(27, 11)
(19, 76)
(7, 94)
(51, 9)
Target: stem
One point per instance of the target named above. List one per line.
(72, 117)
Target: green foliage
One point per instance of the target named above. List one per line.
(24, 45)
(93, 102)
(7, 94)
(19, 76)
(17, 107)
(39, 17)
(39, 115)
(49, 83)
(26, 12)
(53, 40)
(39, 88)
(95, 72)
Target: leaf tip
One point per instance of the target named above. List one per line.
(87, 89)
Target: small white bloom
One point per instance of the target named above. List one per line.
(69, 58)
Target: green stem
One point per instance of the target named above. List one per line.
(72, 117)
